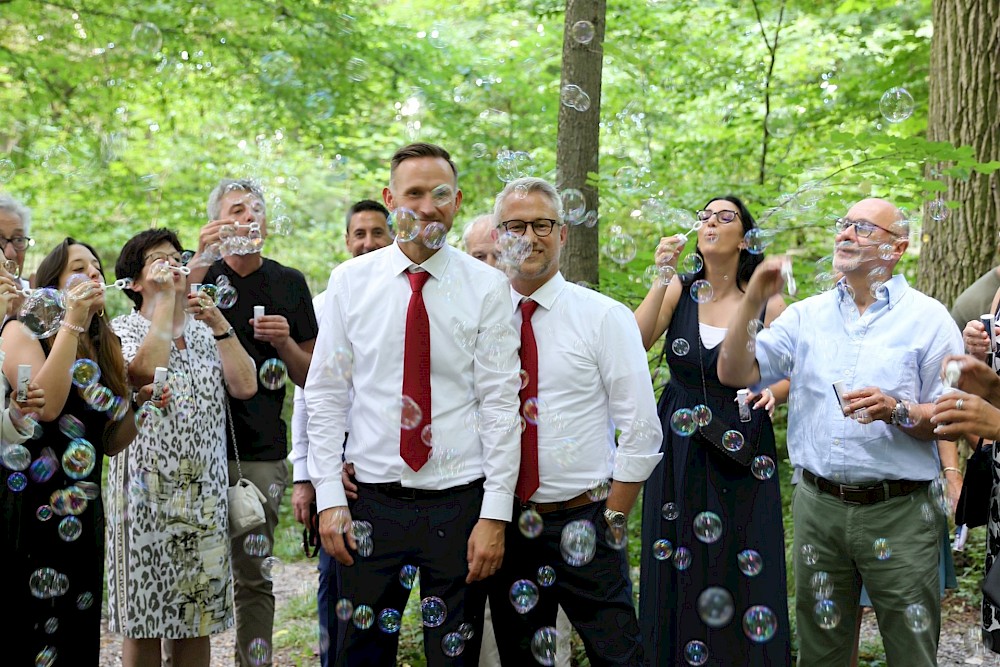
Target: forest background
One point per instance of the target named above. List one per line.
(116, 117)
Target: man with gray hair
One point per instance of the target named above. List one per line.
(230, 246)
(15, 232)
(866, 358)
(478, 239)
(585, 377)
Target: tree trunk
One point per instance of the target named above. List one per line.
(964, 109)
(579, 134)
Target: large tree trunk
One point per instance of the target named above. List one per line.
(964, 109)
(579, 134)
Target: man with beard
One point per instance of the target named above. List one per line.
(865, 359)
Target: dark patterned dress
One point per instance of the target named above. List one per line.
(169, 566)
(53, 552)
(677, 563)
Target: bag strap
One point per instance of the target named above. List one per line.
(701, 366)
(232, 437)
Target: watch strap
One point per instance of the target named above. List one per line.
(229, 333)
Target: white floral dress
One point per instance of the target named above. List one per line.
(168, 554)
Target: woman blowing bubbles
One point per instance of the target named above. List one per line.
(53, 516)
(712, 537)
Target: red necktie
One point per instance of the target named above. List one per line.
(417, 372)
(527, 477)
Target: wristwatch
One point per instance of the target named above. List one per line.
(614, 518)
(900, 414)
(230, 332)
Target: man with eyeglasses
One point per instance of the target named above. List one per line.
(367, 230)
(585, 375)
(15, 227)
(866, 360)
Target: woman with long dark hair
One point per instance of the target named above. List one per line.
(712, 537)
(53, 516)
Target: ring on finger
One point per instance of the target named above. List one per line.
(959, 404)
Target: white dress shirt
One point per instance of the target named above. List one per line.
(592, 376)
(300, 418)
(474, 378)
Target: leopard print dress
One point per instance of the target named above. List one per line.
(168, 554)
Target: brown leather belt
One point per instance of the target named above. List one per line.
(579, 501)
(865, 494)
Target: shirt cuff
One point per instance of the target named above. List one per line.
(330, 494)
(496, 505)
(635, 467)
(300, 470)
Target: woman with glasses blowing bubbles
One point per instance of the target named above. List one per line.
(712, 538)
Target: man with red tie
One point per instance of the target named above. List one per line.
(585, 376)
(421, 333)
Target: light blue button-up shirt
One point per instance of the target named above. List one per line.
(897, 345)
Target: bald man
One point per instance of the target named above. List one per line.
(867, 365)
(478, 239)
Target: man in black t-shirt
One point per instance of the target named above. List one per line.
(280, 342)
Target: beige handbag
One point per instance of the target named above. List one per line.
(246, 502)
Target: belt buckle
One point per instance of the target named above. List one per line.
(849, 487)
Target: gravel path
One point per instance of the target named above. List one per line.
(291, 581)
(299, 578)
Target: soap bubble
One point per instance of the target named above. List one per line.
(680, 347)
(574, 205)
(762, 467)
(453, 644)
(732, 440)
(621, 247)
(273, 374)
(682, 558)
(701, 291)
(716, 607)
(433, 610)
(546, 575)
(670, 511)
(702, 414)
(276, 68)
(707, 527)
(809, 554)
(692, 263)
(389, 620)
(896, 105)
(543, 645)
(682, 422)
(406, 223)
(147, 37)
(662, 549)
(696, 652)
(578, 542)
(583, 32)
(759, 624)
(42, 312)
(917, 618)
(756, 240)
(574, 97)
(881, 548)
(750, 562)
(523, 595)
(408, 576)
(530, 523)
(827, 614)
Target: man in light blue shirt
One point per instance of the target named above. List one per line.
(865, 363)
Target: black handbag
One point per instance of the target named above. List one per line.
(714, 431)
(973, 507)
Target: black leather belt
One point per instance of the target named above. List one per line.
(865, 494)
(400, 492)
(579, 501)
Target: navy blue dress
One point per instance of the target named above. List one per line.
(697, 479)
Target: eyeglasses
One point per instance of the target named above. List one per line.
(19, 242)
(542, 227)
(725, 216)
(863, 228)
(310, 536)
(157, 256)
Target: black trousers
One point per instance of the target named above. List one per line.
(596, 596)
(431, 534)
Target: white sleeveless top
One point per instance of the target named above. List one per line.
(711, 336)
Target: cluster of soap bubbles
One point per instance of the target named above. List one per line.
(222, 294)
(407, 223)
(511, 165)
